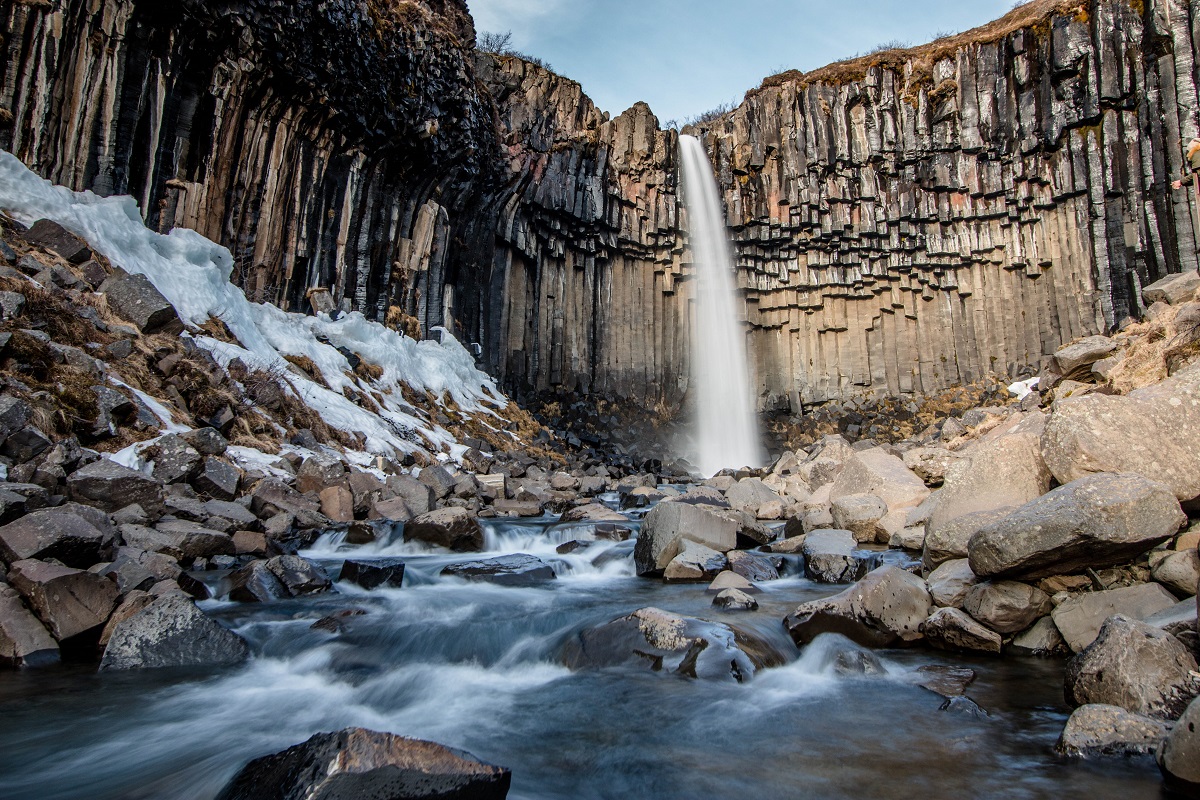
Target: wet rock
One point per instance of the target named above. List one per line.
(518, 508)
(452, 528)
(670, 524)
(68, 601)
(1007, 606)
(663, 641)
(217, 478)
(1135, 666)
(172, 632)
(24, 641)
(255, 583)
(360, 763)
(75, 535)
(514, 570)
(131, 604)
(945, 681)
(1080, 618)
(753, 566)
(951, 582)
(695, 564)
(1179, 572)
(1098, 521)
(1179, 755)
(592, 512)
(107, 485)
(829, 557)
(336, 623)
(299, 575)
(834, 652)
(1102, 730)
(135, 298)
(734, 600)
(641, 497)
(788, 546)
(951, 629)
(860, 514)
(373, 574)
(1042, 639)
(884, 609)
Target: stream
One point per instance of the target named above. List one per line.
(477, 666)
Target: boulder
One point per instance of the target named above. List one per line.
(131, 604)
(24, 641)
(75, 535)
(789, 546)
(731, 580)
(217, 478)
(695, 564)
(54, 237)
(1149, 432)
(189, 540)
(25, 445)
(1098, 521)
(317, 472)
(175, 459)
(1007, 606)
(669, 524)
(750, 494)
(951, 582)
(1080, 618)
(951, 540)
(234, 512)
(1042, 639)
(734, 600)
(387, 572)
(358, 763)
(110, 486)
(454, 529)
(1074, 362)
(1173, 289)
(207, 441)
(860, 514)
(951, 629)
(663, 641)
(1102, 730)
(392, 510)
(930, 464)
(829, 557)
(1179, 755)
(1135, 666)
(68, 601)
(518, 508)
(337, 503)
(439, 480)
(299, 575)
(1179, 572)
(884, 609)
(753, 566)
(514, 570)
(255, 583)
(135, 298)
(416, 495)
(172, 632)
(882, 474)
(593, 512)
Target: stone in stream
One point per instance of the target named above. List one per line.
(76, 535)
(358, 763)
(593, 512)
(255, 583)
(1179, 755)
(949, 682)
(829, 557)
(69, 601)
(663, 641)
(884, 609)
(1080, 618)
(1042, 639)
(336, 623)
(299, 575)
(754, 566)
(731, 580)
(1102, 730)
(1007, 606)
(860, 514)
(1098, 521)
(24, 641)
(671, 523)
(951, 582)
(452, 528)
(373, 574)
(695, 564)
(951, 629)
(734, 600)
(1135, 666)
(172, 632)
(513, 570)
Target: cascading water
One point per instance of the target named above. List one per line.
(727, 431)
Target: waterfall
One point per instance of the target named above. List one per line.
(726, 427)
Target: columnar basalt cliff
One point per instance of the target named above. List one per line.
(904, 222)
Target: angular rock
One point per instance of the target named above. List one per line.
(734, 600)
(172, 632)
(217, 478)
(1173, 289)
(24, 641)
(1074, 362)
(176, 460)
(68, 601)
(731, 580)
(452, 528)
(951, 582)
(52, 236)
(753, 566)
(234, 512)
(1042, 639)
(695, 564)
(829, 557)
(750, 494)
(951, 629)
(1007, 606)
(879, 473)
(1135, 666)
(592, 512)
(514, 570)
(859, 514)
(1102, 730)
(1179, 755)
(663, 641)
(438, 479)
(110, 486)
(1098, 521)
(358, 763)
(387, 572)
(1080, 618)
(951, 540)
(188, 540)
(416, 495)
(207, 441)
(136, 299)
(337, 503)
(669, 524)
(25, 445)
(884, 609)
(131, 604)
(518, 508)
(1179, 572)
(299, 575)
(255, 583)
(75, 535)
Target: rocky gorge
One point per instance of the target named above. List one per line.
(297, 549)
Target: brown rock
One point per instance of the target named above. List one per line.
(69, 601)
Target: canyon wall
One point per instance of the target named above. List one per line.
(904, 221)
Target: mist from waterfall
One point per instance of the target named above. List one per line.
(727, 432)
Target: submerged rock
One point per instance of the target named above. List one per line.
(358, 763)
(514, 570)
(172, 632)
(663, 641)
(735, 600)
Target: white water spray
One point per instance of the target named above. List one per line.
(727, 429)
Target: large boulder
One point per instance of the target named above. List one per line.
(1080, 618)
(75, 535)
(1151, 432)
(663, 641)
(695, 564)
(1007, 606)
(1097, 521)
(951, 582)
(1074, 361)
(1135, 666)
(514, 570)
(882, 474)
(829, 557)
(884, 609)
(1103, 730)
(669, 524)
(951, 629)
(860, 514)
(172, 632)
(452, 528)
(1173, 289)
(751, 494)
(951, 540)
(135, 298)
(69, 601)
(419, 497)
(24, 641)
(362, 763)
(110, 486)
(299, 575)
(1179, 755)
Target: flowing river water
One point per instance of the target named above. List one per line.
(477, 666)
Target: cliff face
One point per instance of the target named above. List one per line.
(903, 222)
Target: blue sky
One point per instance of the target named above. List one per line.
(684, 57)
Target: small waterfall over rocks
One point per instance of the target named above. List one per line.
(727, 432)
